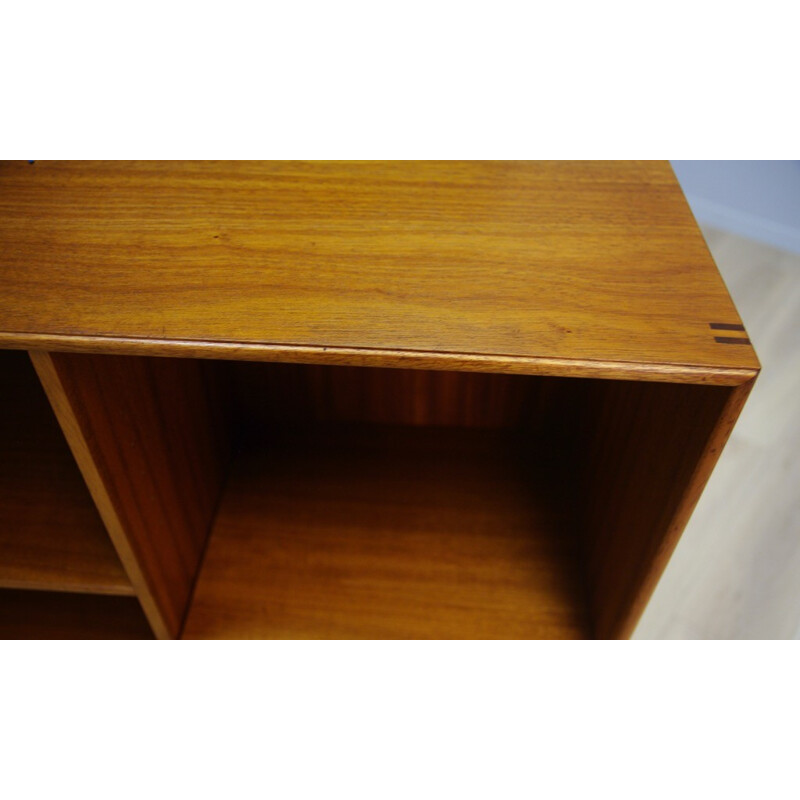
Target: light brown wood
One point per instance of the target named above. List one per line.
(51, 536)
(734, 574)
(391, 533)
(541, 498)
(153, 454)
(60, 615)
(568, 268)
(362, 357)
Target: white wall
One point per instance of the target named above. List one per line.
(756, 199)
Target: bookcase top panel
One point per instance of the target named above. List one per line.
(584, 268)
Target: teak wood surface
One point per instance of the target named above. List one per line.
(584, 268)
(51, 536)
(563, 273)
(373, 532)
(643, 466)
(146, 439)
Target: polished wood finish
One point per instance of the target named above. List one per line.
(51, 536)
(649, 451)
(381, 532)
(536, 365)
(734, 574)
(146, 437)
(630, 459)
(586, 268)
(59, 615)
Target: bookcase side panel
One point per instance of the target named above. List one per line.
(650, 452)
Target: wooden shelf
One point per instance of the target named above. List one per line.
(350, 532)
(61, 615)
(563, 321)
(51, 536)
(549, 267)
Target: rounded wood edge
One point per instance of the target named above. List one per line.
(366, 357)
(106, 590)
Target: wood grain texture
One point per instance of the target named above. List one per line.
(552, 271)
(51, 536)
(637, 454)
(262, 397)
(734, 574)
(650, 451)
(365, 357)
(569, 268)
(147, 438)
(391, 533)
(60, 615)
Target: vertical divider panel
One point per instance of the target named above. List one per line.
(152, 446)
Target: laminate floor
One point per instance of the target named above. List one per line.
(736, 572)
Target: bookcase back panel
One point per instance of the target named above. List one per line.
(263, 396)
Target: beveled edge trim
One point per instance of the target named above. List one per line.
(378, 357)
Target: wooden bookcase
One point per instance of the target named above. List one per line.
(316, 400)
(59, 572)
